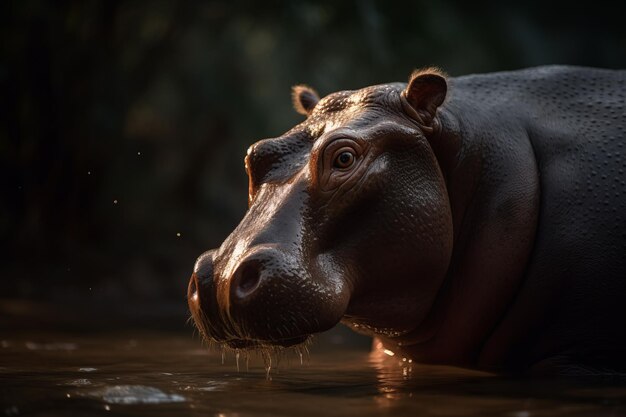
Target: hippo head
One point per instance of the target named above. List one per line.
(348, 220)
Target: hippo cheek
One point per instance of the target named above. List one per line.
(274, 299)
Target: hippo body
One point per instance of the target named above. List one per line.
(477, 221)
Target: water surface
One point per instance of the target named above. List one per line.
(162, 373)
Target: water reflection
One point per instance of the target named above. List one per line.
(165, 374)
(438, 390)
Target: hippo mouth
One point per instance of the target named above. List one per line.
(244, 343)
(252, 344)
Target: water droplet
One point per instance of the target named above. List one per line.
(178, 234)
(114, 201)
(268, 367)
(237, 360)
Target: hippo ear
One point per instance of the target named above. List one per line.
(425, 92)
(304, 99)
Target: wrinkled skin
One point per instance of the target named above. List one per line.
(485, 231)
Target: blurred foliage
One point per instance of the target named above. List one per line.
(125, 123)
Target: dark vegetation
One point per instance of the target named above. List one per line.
(123, 124)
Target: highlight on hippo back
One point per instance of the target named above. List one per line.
(477, 221)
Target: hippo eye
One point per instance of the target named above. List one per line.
(344, 159)
(340, 161)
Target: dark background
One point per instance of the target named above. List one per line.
(123, 124)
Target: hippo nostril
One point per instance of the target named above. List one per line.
(247, 279)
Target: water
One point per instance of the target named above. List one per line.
(154, 374)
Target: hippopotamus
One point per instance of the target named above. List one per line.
(475, 221)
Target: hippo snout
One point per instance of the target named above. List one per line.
(269, 298)
(201, 297)
(201, 281)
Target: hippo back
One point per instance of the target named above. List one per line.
(575, 281)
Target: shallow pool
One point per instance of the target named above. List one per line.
(154, 373)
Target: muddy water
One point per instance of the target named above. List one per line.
(153, 374)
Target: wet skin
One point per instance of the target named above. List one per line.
(474, 221)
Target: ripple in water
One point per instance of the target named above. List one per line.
(50, 346)
(134, 394)
(78, 382)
